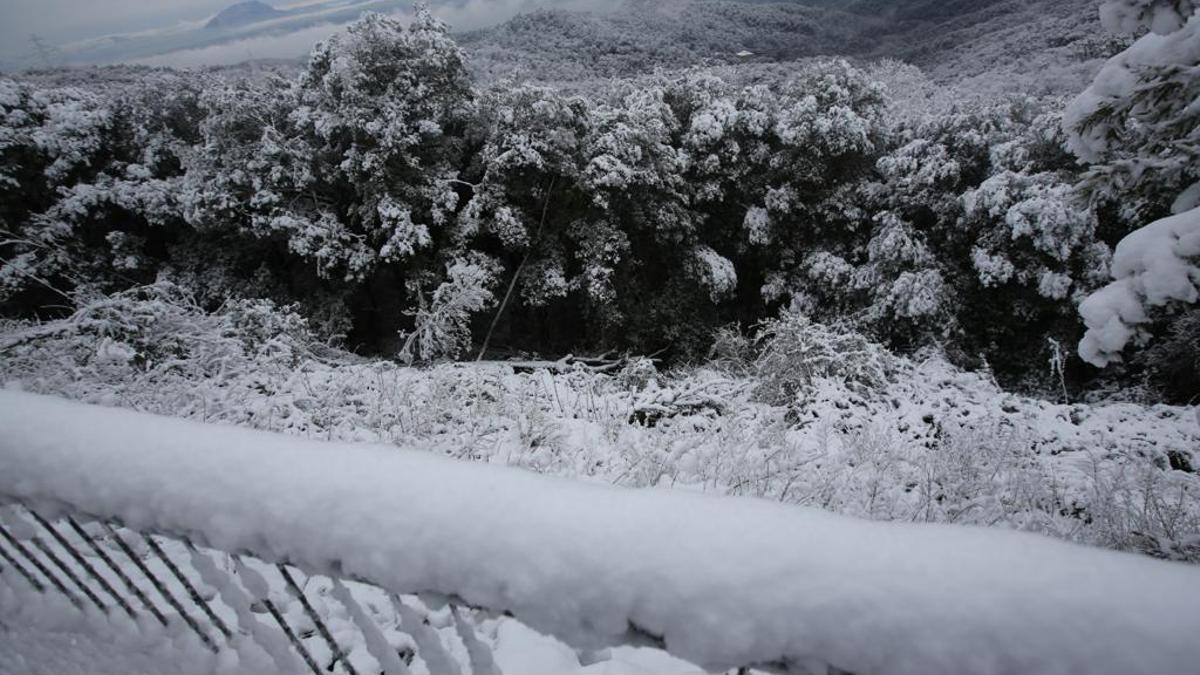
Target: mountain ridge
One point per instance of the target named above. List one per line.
(244, 14)
(949, 40)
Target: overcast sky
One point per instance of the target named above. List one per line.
(64, 20)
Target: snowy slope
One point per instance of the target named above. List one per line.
(1059, 40)
(722, 582)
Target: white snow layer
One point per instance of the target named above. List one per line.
(1152, 265)
(723, 581)
(1118, 80)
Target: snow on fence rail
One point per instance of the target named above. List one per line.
(720, 582)
(110, 572)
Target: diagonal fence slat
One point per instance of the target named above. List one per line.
(82, 562)
(238, 600)
(291, 635)
(257, 586)
(377, 644)
(116, 569)
(79, 562)
(21, 569)
(69, 573)
(39, 566)
(438, 660)
(160, 587)
(482, 662)
(187, 586)
(316, 619)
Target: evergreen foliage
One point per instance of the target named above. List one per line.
(417, 213)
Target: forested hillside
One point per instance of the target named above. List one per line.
(1047, 46)
(414, 210)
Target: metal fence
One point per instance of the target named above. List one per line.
(227, 600)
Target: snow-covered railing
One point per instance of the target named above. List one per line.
(716, 581)
(154, 582)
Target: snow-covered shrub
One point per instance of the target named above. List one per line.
(714, 272)
(442, 326)
(637, 373)
(638, 215)
(967, 237)
(1143, 508)
(688, 399)
(532, 149)
(931, 442)
(899, 276)
(1035, 248)
(1172, 362)
(1134, 125)
(153, 347)
(796, 351)
(732, 351)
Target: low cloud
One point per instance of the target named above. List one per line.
(474, 14)
(287, 46)
(470, 15)
(61, 21)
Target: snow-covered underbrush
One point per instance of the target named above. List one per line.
(807, 415)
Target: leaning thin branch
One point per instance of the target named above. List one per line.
(512, 284)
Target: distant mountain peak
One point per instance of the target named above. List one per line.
(244, 13)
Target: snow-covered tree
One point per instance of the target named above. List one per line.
(89, 184)
(50, 140)
(1139, 127)
(719, 184)
(442, 326)
(351, 165)
(1160, 16)
(1029, 228)
(521, 184)
(634, 213)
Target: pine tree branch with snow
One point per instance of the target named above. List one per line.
(1139, 127)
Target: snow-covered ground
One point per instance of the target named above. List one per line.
(874, 436)
(924, 442)
(32, 649)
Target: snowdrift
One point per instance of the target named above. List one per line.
(721, 582)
